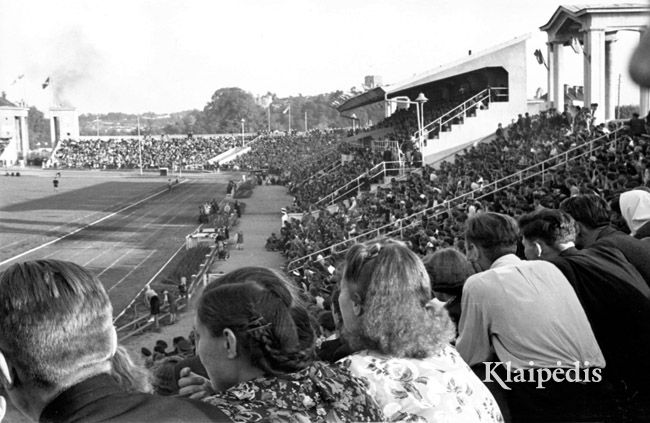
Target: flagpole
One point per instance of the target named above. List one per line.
(269, 118)
(290, 119)
(305, 121)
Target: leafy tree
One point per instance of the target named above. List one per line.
(226, 109)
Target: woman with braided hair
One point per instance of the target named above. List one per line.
(257, 344)
(401, 340)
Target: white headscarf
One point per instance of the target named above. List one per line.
(635, 208)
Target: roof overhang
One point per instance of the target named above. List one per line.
(452, 68)
(369, 97)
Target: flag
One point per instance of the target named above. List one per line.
(287, 110)
(18, 79)
(46, 83)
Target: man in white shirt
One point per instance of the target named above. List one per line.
(524, 323)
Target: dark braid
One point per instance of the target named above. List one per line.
(273, 330)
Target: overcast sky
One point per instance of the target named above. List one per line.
(171, 55)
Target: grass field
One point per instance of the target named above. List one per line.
(123, 226)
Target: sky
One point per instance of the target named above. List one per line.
(137, 56)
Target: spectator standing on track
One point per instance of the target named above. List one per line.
(182, 287)
(153, 302)
(240, 240)
(169, 299)
(170, 184)
(55, 182)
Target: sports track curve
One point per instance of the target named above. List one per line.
(124, 229)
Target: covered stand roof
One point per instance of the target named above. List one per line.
(369, 97)
(479, 60)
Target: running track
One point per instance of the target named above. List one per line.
(124, 229)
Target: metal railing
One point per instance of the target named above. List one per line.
(398, 227)
(382, 169)
(484, 97)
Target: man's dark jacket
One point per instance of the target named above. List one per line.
(619, 313)
(101, 399)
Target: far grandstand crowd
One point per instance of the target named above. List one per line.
(128, 153)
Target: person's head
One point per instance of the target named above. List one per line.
(448, 270)
(590, 213)
(384, 295)
(56, 330)
(163, 375)
(545, 231)
(635, 209)
(489, 236)
(249, 325)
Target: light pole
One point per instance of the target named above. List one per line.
(420, 100)
(242, 131)
(419, 111)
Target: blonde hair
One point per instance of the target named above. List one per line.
(130, 376)
(393, 287)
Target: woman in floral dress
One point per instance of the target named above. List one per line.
(257, 345)
(402, 343)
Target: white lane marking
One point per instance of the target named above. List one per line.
(149, 283)
(131, 271)
(115, 262)
(80, 229)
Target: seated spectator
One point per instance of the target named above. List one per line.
(400, 345)
(637, 125)
(256, 343)
(605, 284)
(635, 209)
(58, 342)
(592, 216)
(448, 270)
(529, 316)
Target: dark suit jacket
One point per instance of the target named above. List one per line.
(100, 399)
(619, 313)
(633, 249)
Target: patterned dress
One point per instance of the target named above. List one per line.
(319, 393)
(439, 388)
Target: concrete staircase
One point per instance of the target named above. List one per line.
(473, 129)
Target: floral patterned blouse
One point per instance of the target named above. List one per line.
(320, 393)
(440, 388)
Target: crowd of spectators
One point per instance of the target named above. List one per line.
(126, 153)
(526, 141)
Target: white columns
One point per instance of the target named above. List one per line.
(594, 70)
(24, 133)
(611, 79)
(52, 132)
(555, 77)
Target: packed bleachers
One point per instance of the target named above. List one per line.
(525, 142)
(125, 153)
